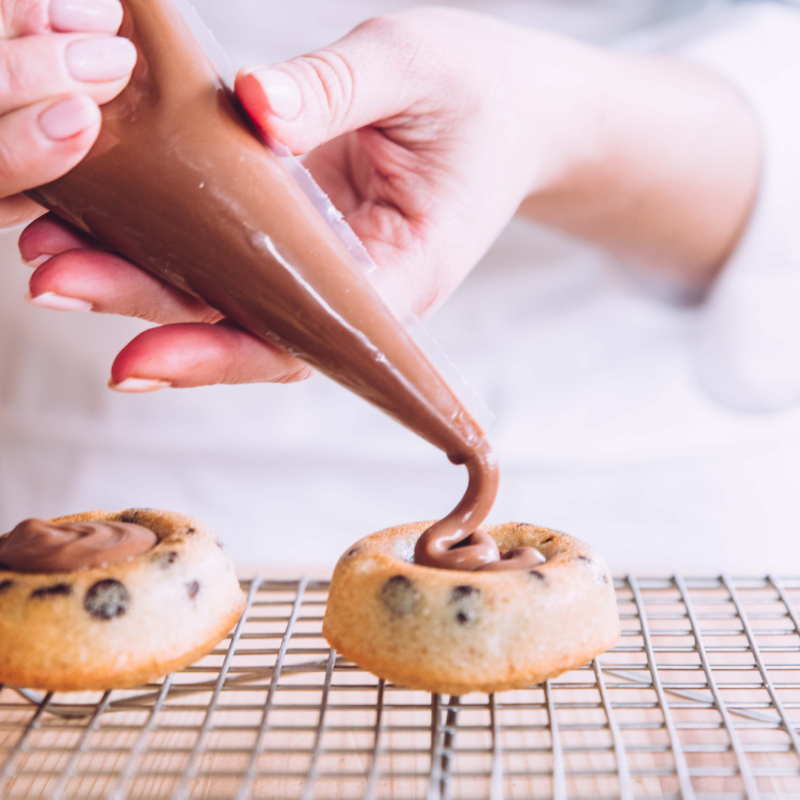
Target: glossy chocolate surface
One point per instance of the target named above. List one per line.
(39, 546)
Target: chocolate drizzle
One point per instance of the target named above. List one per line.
(178, 184)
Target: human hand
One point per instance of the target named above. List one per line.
(428, 129)
(419, 131)
(58, 61)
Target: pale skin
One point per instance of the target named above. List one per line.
(429, 129)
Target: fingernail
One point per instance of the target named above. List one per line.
(282, 92)
(38, 261)
(58, 302)
(69, 117)
(103, 59)
(138, 385)
(103, 16)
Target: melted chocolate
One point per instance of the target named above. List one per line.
(178, 184)
(38, 546)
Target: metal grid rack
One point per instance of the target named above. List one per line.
(697, 701)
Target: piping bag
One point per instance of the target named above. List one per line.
(178, 183)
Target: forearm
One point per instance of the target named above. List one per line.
(664, 171)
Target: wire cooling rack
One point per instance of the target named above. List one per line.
(698, 700)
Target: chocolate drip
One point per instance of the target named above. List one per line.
(39, 546)
(439, 545)
(178, 184)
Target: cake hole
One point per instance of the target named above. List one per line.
(6, 585)
(463, 543)
(536, 574)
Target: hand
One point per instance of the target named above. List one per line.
(420, 131)
(428, 129)
(58, 61)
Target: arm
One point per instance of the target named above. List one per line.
(667, 175)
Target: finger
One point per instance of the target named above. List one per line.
(45, 140)
(83, 280)
(200, 355)
(18, 209)
(48, 236)
(34, 68)
(375, 72)
(27, 17)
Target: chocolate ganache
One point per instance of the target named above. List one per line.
(39, 546)
(178, 184)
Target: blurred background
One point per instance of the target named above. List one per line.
(602, 427)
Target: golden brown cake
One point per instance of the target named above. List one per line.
(454, 632)
(120, 625)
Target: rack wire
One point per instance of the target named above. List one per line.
(698, 700)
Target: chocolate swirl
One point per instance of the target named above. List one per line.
(39, 546)
(457, 542)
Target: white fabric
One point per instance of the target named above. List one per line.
(602, 429)
(749, 347)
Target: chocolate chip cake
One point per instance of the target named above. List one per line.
(455, 631)
(170, 600)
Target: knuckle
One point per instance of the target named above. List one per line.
(24, 17)
(15, 73)
(333, 80)
(13, 164)
(295, 373)
(17, 210)
(404, 39)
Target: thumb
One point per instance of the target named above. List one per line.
(370, 75)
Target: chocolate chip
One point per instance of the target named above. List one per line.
(585, 559)
(57, 590)
(131, 516)
(190, 531)
(352, 552)
(193, 588)
(107, 599)
(400, 596)
(536, 574)
(467, 601)
(6, 585)
(164, 560)
(548, 540)
(605, 578)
